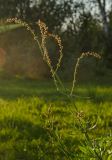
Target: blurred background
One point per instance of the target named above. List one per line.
(83, 26)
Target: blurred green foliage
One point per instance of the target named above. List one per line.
(33, 117)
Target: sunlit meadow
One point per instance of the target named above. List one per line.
(52, 119)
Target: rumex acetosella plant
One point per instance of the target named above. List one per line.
(90, 148)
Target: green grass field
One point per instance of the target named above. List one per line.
(38, 123)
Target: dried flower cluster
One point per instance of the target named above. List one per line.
(80, 115)
(45, 34)
(90, 54)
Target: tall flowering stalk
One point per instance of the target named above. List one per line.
(43, 49)
(45, 54)
(77, 65)
(82, 123)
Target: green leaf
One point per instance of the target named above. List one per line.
(83, 149)
(109, 157)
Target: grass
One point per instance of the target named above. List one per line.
(27, 125)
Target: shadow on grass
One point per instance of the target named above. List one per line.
(21, 139)
(23, 88)
(15, 88)
(28, 141)
(18, 129)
